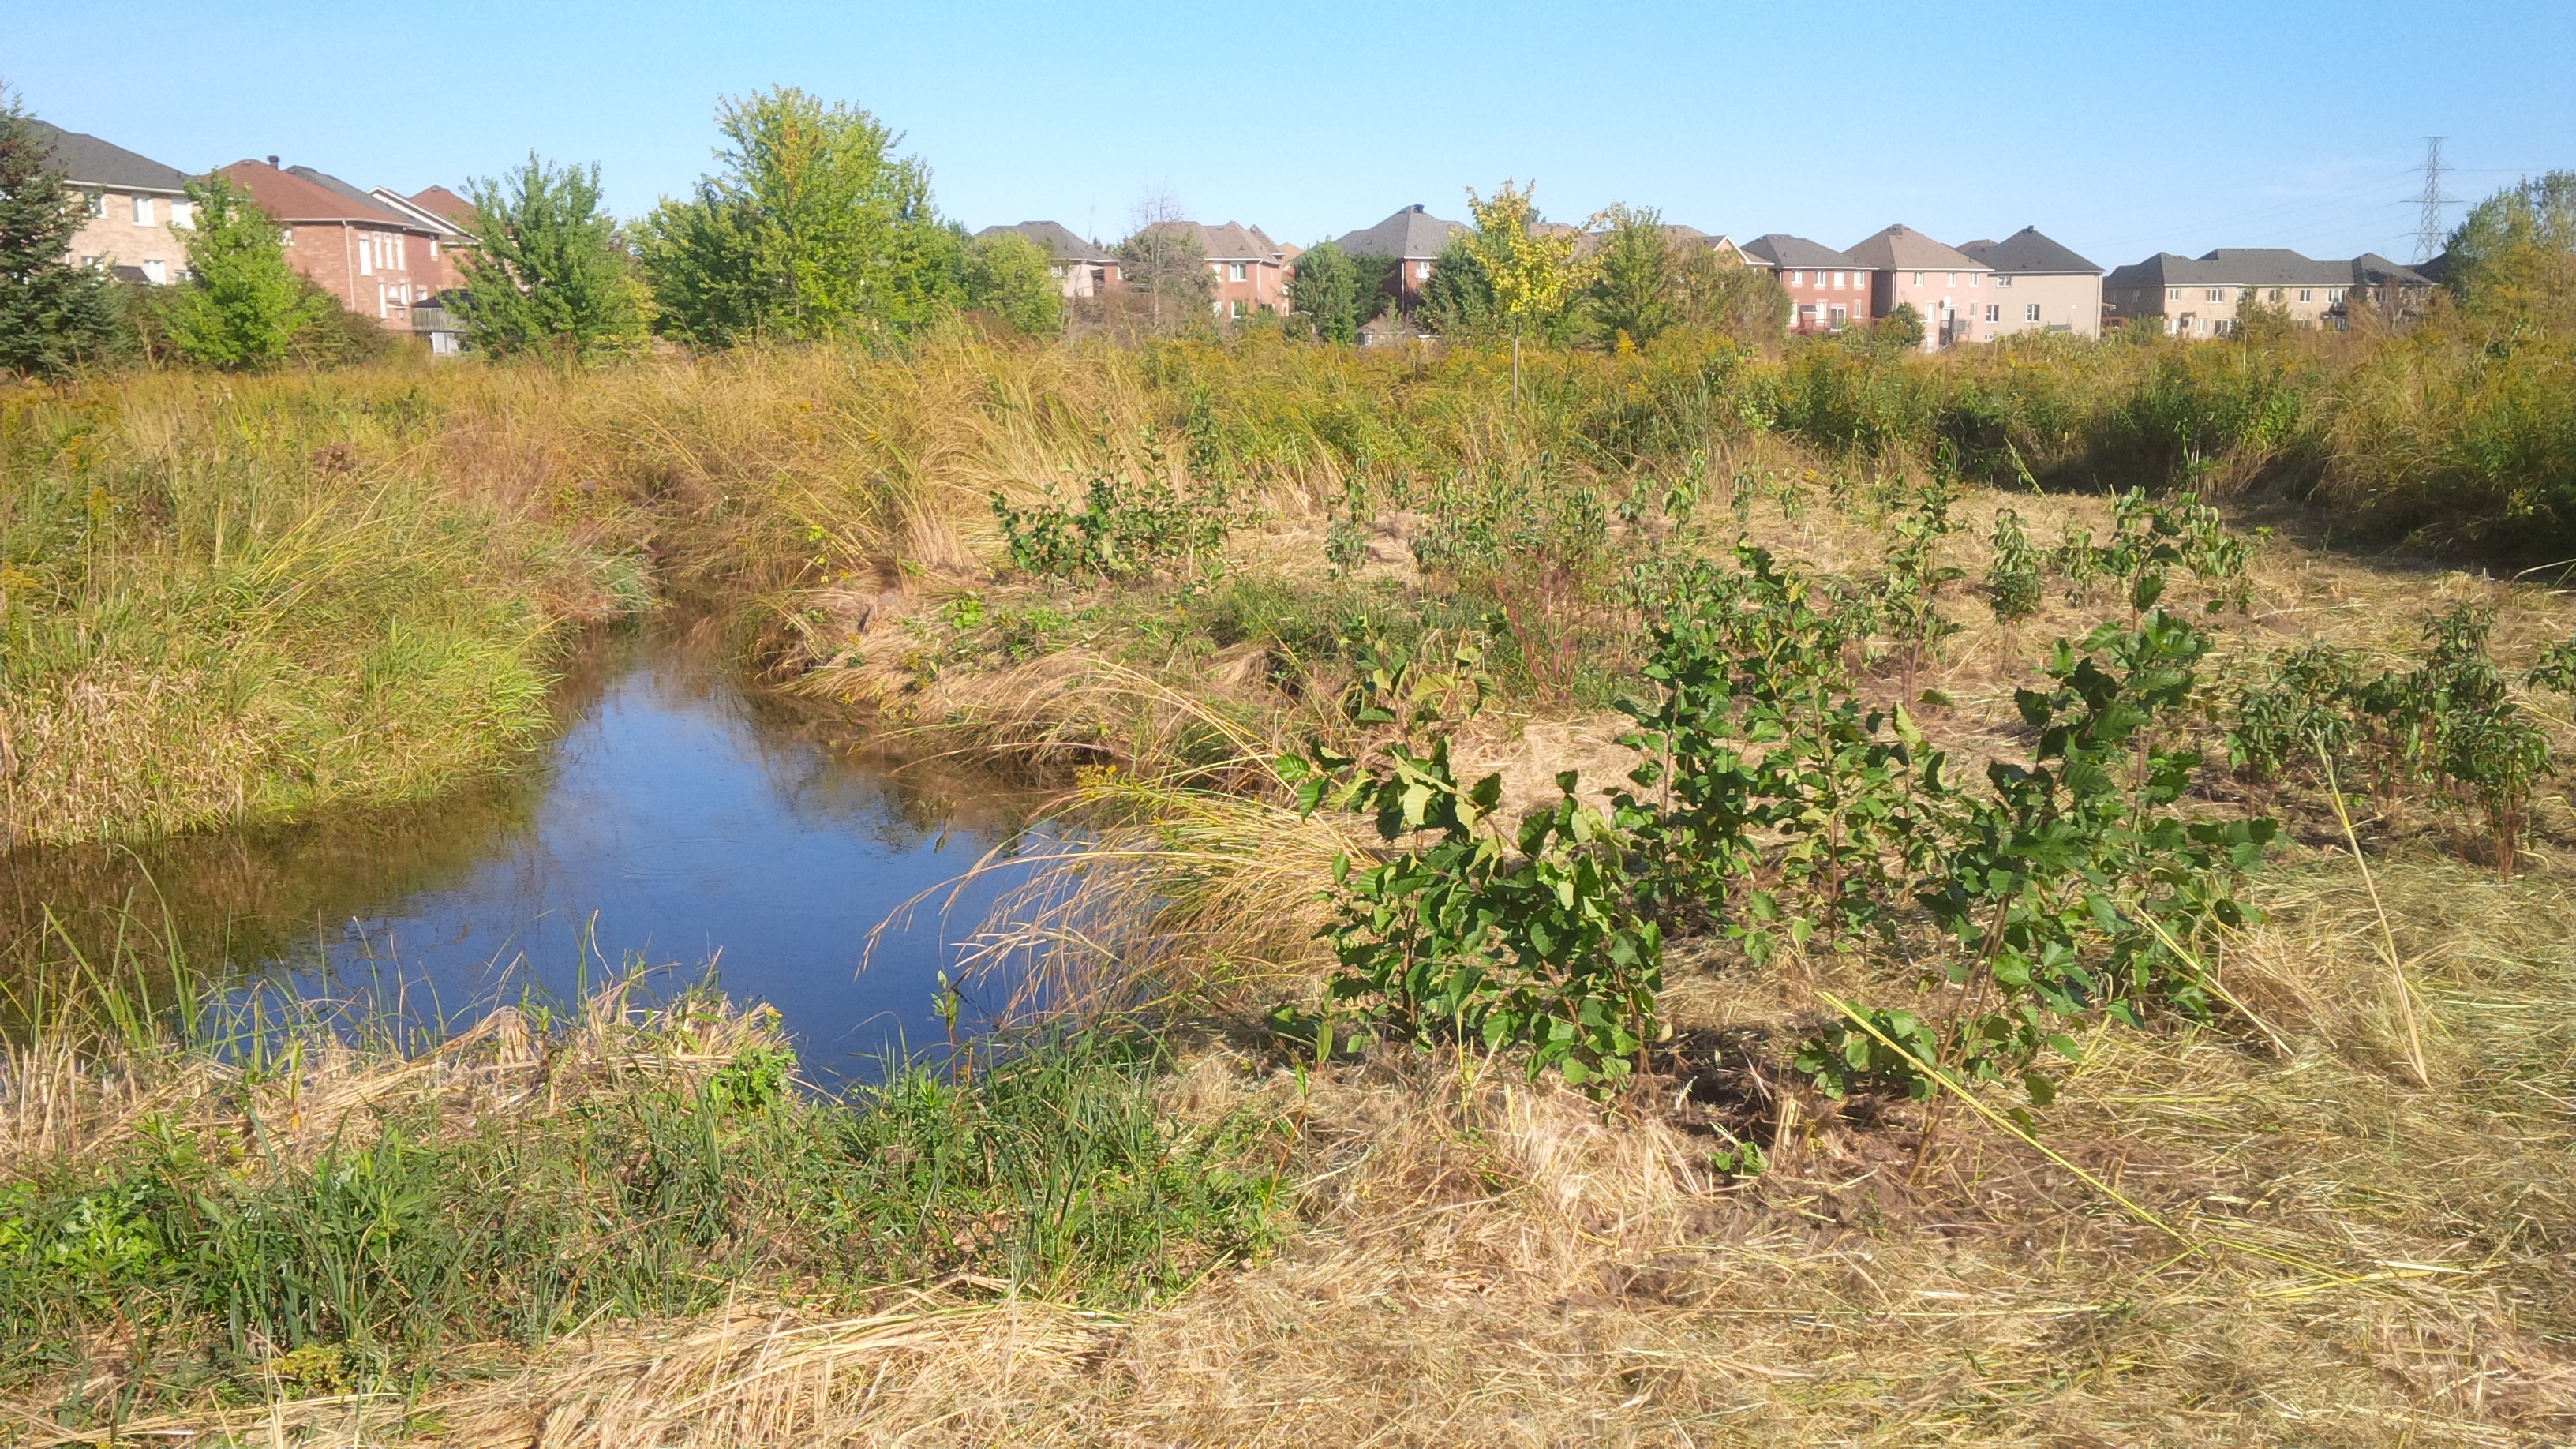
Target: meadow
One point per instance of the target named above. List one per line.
(1675, 1087)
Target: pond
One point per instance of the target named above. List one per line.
(676, 822)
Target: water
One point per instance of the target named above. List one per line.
(676, 821)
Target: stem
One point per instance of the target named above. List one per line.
(2388, 934)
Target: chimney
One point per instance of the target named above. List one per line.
(272, 161)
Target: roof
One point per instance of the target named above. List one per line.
(403, 206)
(2028, 253)
(1227, 243)
(87, 160)
(2263, 267)
(1054, 238)
(1779, 249)
(1410, 235)
(440, 202)
(292, 196)
(1903, 249)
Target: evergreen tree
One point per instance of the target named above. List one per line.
(548, 270)
(54, 313)
(1458, 300)
(1324, 288)
(814, 227)
(243, 306)
(1011, 277)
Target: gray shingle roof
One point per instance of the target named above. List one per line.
(1055, 239)
(87, 160)
(1779, 249)
(2028, 253)
(1903, 249)
(1410, 235)
(2263, 267)
(344, 190)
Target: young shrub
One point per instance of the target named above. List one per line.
(2013, 575)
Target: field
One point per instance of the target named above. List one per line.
(2315, 1193)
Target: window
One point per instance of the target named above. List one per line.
(2304, 295)
(2030, 312)
(1797, 279)
(394, 247)
(2003, 281)
(1918, 279)
(1974, 277)
(1099, 278)
(433, 255)
(1841, 280)
(2276, 294)
(95, 264)
(367, 263)
(1238, 307)
(155, 270)
(143, 211)
(286, 236)
(1422, 271)
(98, 203)
(2217, 294)
(2173, 294)
(2334, 294)
(183, 216)
(1840, 316)
(1994, 312)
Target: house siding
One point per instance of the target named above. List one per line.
(2067, 302)
(116, 239)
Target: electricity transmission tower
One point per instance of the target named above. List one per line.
(2428, 228)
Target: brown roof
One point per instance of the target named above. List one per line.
(439, 201)
(290, 198)
(1903, 249)
(1227, 243)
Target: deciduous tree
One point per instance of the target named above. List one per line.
(243, 306)
(548, 270)
(1535, 274)
(1162, 258)
(1635, 276)
(1012, 278)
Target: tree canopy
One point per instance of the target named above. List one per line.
(1635, 277)
(814, 226)
(1324, 288)
(1009, 277)
(54, 312)
(2514, 254)
(243, 306)
(548, 270)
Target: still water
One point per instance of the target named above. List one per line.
(676, 822)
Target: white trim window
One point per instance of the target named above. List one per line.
(143, 211)
(98, 203)
(183, 215)
(2030, 312)
(155, 270)
(1237, 271)
(367, 261)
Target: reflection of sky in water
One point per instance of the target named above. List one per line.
(693, 838)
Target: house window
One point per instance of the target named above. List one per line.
(1974, 277)
(1099, 278)
(2276, 294)
(143, 211)
(2030, 312)
(1840, 315)
(2217, 294)
(2173, 294)
(2334, 294)
(183, 216)
(367, 260)
(2003, 281)
(1238, 307)
(1954, 279)
(1234, 271)
(286, 236)
(1994, 313)
(1797, 279)
(394, 247)
(95, 264)
(433, 255)
(155, 270)
(1422, 271)
(2304, 295)
(1918, 279)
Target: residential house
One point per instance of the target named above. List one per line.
(2040, 286)
(1081, 268)
(1827, 289)
(2204, 296)
(379, 262)
(134, 203)
(1251, 270)
(1948, 288)
(1414, 238)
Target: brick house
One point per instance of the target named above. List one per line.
(1250, 270)
(1414, 238)
(1081, 268)
(2041, 286)
(2201, 296)
(1948, 288)
(137, 207)
(1827, 289)
(377, 261)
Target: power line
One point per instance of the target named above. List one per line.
(2428, 228)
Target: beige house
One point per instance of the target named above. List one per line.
(2039, 286)
(1949, 289)
(2204, 296)
(135, 203)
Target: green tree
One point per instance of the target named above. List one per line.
(1901, 328)
(1012, 277)
(1163, 260)
(54, 312)
(1535, 274)
(1636, 274)
(243, 306)
(1717, 293)
(815, 226)
(1458, 300)
(548, 270)
(1324, 288)
(2514, 254)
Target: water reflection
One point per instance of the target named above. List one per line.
(675, 821)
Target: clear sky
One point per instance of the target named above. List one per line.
(2120, 130)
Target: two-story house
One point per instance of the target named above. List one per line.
(1250, 270)
(1081, 268)
(1414, 238)
(378, 261)
(2206, 296)
(1828, 290)
(137, 206)
(1947, 288)
(2040, 286)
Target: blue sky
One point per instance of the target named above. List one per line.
(2119, 130)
